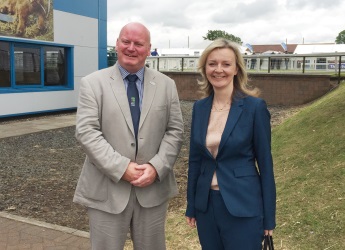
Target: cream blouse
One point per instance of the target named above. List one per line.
(215, 130)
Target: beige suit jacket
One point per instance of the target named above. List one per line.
(105, 131)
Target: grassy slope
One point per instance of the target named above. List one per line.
(309, 156)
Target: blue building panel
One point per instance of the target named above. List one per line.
(103, 10)
(93, 9)
(88, 8)
(102, 42)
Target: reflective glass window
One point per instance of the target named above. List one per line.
(5, 63)
(54, 66)
(27, 66)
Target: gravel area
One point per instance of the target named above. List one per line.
(39, 172)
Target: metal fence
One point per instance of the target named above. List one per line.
(321, 63)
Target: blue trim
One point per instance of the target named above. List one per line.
(102, 34)
(88, 8)
(38, 112)
(15, 40)
(102, 43)
(33, 89)
(102, 9)
(69, 70)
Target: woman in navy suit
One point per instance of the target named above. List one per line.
(231, 192)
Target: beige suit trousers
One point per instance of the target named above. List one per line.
(146, 226)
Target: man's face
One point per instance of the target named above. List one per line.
(133, 46)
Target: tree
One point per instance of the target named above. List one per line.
(340, 39)
(214, 34)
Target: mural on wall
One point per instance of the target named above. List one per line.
(31, 19)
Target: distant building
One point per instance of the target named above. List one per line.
(299, 48)
(186, 59)
(319, 48)
(261, 49)
(196, 50)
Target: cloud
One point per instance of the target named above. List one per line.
(168, 13)
(311, 4)
(183, 23)
(246, 12)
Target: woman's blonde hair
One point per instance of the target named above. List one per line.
(241, 87)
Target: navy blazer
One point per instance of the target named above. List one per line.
(243, 165)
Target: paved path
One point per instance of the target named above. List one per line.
(36, 125)
(18, 233)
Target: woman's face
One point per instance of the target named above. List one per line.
(221, 68)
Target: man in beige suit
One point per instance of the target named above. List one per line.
(127, 178)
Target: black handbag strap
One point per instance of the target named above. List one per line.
(268, 243)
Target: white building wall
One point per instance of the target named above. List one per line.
(23, 103)
(69, 29)
(319, 48)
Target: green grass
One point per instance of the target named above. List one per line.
(309, 156)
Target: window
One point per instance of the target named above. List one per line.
(320, 60)
(35, 67)
(191, 63)
(55, 66)
(27, 66)
(321, 63)
(5, 76)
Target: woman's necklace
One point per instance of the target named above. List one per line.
(222, 108)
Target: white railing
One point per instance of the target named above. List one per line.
(321, 63)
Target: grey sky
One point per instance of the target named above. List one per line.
(182, 23)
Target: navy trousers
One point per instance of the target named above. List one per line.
(219, 230)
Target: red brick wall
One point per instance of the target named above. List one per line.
(186, 83)
(276, 89)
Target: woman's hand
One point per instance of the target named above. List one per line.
(268, 232)
(191, 221)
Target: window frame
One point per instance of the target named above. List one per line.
(14, 83)
(69, 66)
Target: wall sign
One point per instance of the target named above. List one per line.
(32, 19)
